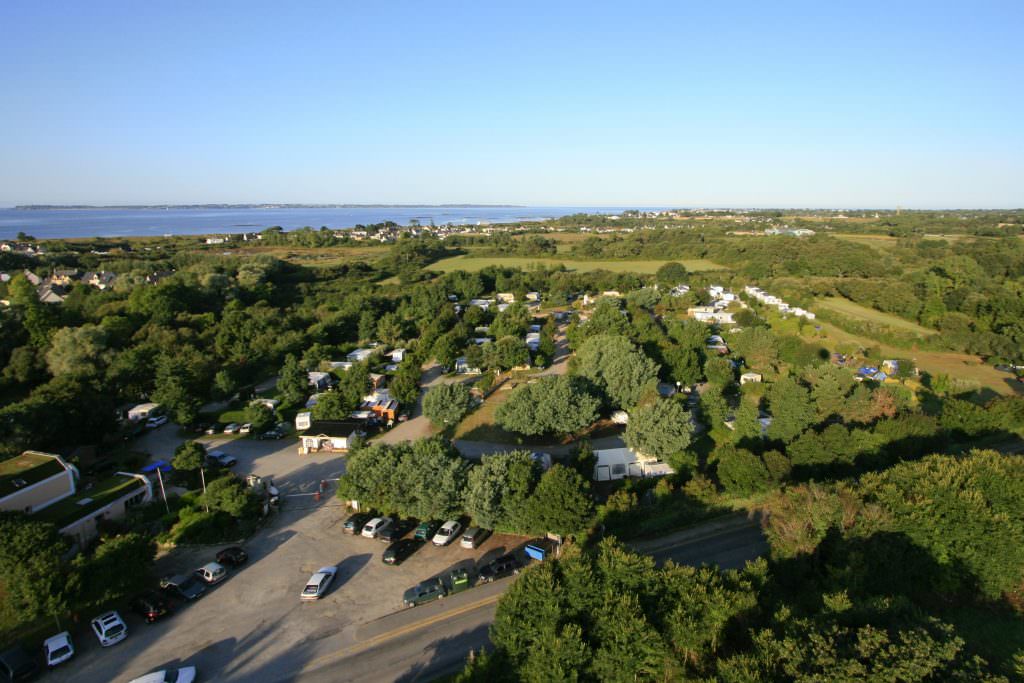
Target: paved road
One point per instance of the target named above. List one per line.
(420, 646)
(418, 426)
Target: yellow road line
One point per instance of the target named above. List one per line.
(395, 633)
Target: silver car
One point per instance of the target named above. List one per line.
(318, 583)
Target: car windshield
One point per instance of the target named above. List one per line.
(114, 629)
(60, 651)
(171, 676)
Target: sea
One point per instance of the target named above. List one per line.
(62, 223)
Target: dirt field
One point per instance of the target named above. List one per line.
(649, 267)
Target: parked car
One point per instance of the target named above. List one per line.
(426, 591)
(269, 434)
(399, 551)
(109, 628)
(156, 421)
(397, 529)
(17, 665)
(426, 530)
(355, 523)
(211, 573)
(184, 587)
(221, 459)
(58, 649)
(232, 428)
(186, 674)
(506, 565)
(448, 532)
(212, 429)
(245, 429)
(151, 606)
(375, 526)
(233, 556)
(318, 583)
(474, 537)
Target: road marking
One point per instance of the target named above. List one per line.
(395, 633)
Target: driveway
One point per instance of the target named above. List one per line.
(418, 426)
(253, 626)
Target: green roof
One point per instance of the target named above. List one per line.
(102, 493)
(31, 467)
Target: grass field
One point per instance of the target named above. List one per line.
(320, 256)
(961, 366)
(853, 310)
(649, 267)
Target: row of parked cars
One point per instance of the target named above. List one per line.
(110, 628)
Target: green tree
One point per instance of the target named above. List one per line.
(505, 354)
(436, 479)
(659, 430)
(292, 382)
(498, 490)
(178, 387)
(367, 325)
(230, 495)
(512, 322)
(671, 274)
(80, 351)
(32, 577)
(791, 409)
(620, 370)
(119, 567)
(552, 405)
(405, 385)
(189, 456)
(333, 405)
(391, 328)
(260, 416)
(561, 503)
(719, 371)
(447, 404)
(740, 471)
(757, 346)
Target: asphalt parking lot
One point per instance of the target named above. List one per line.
(253, 623)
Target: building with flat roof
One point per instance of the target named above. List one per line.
(33, 481)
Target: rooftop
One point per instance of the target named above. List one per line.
(333, 428)
(98, 495)
(26, 469)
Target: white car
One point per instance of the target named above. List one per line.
(376, 525)
(211, 573)
(109, 628)
(245, 429)
(186, 674)
(58, 649)
(448, 532)
(156, 421)
(318, 583)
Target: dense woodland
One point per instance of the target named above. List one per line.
(896, 543)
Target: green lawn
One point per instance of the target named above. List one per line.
(85, 501)
(645, 267)
(853, 310)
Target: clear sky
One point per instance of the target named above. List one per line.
(840, 104)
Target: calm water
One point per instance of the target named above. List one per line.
(44, 224)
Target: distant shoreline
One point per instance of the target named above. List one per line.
(143, 207)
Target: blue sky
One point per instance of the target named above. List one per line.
(552, 103)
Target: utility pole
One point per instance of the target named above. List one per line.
(160, 478)
(202, 477)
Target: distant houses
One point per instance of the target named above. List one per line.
(771, 300)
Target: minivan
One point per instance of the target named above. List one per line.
(474, 537)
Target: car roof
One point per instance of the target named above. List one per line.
(109, 616)
(58, 640)
(212, 566)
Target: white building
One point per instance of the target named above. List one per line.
(618, 463)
